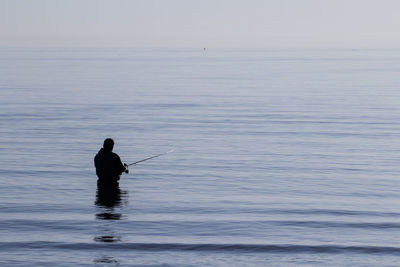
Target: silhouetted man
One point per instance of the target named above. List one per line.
(108, 165)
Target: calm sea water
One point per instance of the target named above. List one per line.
(282, 157)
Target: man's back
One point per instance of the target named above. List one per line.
(108, 166)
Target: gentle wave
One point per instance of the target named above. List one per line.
(193, 226)
(246, 248)
(49, 208)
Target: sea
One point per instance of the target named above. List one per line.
(281, 157)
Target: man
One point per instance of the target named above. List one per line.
(108, 165)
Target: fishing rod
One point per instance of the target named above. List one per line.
(151, 157)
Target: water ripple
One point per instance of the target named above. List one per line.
(226, 248)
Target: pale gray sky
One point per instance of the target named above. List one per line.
(267, 23)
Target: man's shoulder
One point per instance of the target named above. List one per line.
(115, 155)
(105, 155)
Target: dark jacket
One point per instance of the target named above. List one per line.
(108, 166)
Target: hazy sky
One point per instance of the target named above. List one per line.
(268, 23)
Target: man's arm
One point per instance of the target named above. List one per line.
(121, 167)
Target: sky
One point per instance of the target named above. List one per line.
(201, 23)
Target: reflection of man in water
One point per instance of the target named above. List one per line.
(108, 165)
(108, 198)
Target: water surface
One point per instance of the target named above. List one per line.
(282, 157)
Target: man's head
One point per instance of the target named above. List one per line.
(108, 144)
